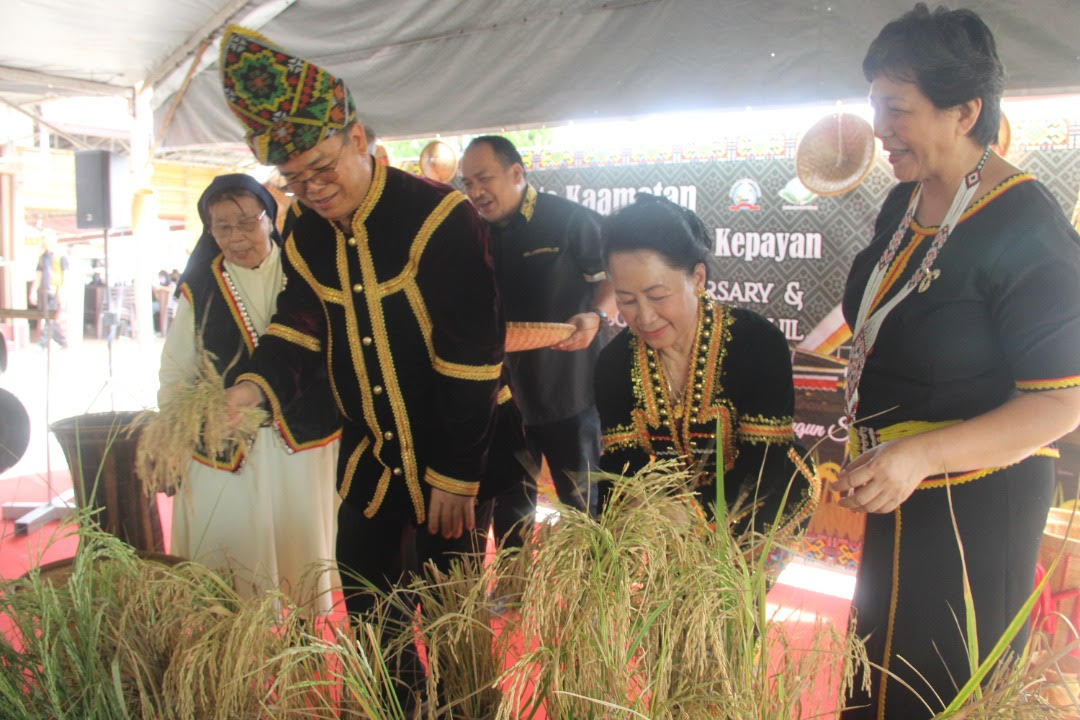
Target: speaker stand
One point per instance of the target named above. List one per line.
(30, 516)
(111, 321)
(113, 325)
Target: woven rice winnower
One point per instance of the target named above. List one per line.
(532, 335)
(835, 154)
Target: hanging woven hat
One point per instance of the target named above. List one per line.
(438, 161)
(286, 104)
(835, 154)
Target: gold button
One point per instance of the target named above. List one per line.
(377, 389)
(358, 288)
(388, 435)
(397, 471)
(366, 340)
(352, 242)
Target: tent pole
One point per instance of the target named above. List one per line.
(178, 97)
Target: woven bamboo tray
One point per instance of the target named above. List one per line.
(532, 335)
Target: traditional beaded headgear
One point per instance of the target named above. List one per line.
(286, 104)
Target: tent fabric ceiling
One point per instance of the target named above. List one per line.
(118, 42)
(424, 66)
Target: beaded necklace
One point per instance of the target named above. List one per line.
(868, 324)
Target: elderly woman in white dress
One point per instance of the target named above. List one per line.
(264, 514)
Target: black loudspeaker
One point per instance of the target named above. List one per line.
(102, 190)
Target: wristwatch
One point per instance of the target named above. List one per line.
(600, 313)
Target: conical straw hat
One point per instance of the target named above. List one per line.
(835, 154)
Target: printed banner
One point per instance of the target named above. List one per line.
(784, 253)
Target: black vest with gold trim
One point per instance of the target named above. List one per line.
(228, 334)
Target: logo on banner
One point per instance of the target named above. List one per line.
(797, 196)
(744, 195)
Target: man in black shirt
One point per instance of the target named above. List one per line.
(548, 268)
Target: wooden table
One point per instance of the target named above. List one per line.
(28, 314)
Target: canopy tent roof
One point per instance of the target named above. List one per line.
(424, 66)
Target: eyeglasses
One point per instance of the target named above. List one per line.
(320, 176)
(245, 225)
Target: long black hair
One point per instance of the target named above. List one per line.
(653, 222)
(206, 249)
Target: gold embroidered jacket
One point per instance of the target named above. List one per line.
(740, 385)
(403, 312)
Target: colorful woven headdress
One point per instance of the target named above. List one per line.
(287, 105)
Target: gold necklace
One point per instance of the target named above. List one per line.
(676, 402)
(676, 396)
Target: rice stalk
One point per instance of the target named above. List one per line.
(358, 666)
(194, 415)
(652, 611)
(1000, 668)
(464, 656)
(113, 635)
(1040, 684)
(60, 651)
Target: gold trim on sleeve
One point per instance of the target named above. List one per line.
(467, 372)
(294, 336)
(620, 437)
(760, 429)
(1049, 383)
(448, 484)
(271, 398)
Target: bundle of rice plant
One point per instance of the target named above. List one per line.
(94, 639)
(194, 415)
(1002, 684)
(654, 613)
(358, 668)
(464, 657)
(119, 636)
(1033, 686)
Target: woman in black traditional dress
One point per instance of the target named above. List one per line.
(687, 366)
(965, 364)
